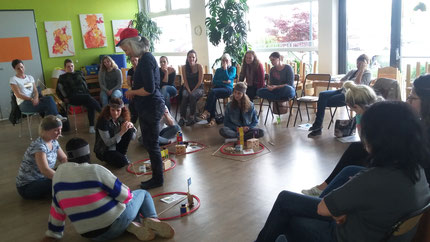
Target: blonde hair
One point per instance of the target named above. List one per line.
(361, 95)
(49, 122)
(103, 67)
(139, 45)
(227, 57)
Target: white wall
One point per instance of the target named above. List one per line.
(328, 36)
(198, 31)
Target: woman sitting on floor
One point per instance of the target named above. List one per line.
(222, 88)
(253, 73)
(34, 180)
(98, 205)
(240, 113)
(358, 98)
(114, 133)
(393, 186)
(281, 84)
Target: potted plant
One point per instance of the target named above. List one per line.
(147, 28)
(227, 23)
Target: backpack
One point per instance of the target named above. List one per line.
(15, 112)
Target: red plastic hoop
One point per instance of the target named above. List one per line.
(189, 152)
(180, 215)
(130, 170)
(231, 144)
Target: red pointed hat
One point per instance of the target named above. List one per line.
(127, 33)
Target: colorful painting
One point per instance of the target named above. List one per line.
(93, 30)
(59, 38)
(118, 26)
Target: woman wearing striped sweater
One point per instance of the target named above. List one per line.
(99, 206)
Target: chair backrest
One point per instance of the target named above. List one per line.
(178, 81)
(316, 77)
(207, 82)
(406, 223)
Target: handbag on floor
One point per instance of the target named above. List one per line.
(343, 128)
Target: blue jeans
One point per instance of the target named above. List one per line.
(342, 178)
(140, 203)
(46, 105)
(168, 92)
(286, 92)
(295, 216)
(104, 99)
(36, 190)
(168, 133)
(214, 94)
(330, 98)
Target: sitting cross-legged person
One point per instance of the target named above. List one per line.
(370, 203)
(240, 113)
(100, 207)
(114, 133)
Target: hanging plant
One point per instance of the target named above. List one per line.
(227, 24)
(147, 28)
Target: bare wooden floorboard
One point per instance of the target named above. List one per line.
(236, 196)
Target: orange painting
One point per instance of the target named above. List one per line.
(15, 48)
(93, 30)
(59, 38)
(118, 26)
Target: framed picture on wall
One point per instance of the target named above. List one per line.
(118, 26)
(59, 38)
(93, 30)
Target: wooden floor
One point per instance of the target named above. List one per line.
(236, 196)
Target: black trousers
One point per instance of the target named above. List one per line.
(149, 121)
(118, 157)
(355, 154)
(89, 103)
(251, 92)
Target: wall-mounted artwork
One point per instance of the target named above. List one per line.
(59, 38)
(118, 26)
(93, 30)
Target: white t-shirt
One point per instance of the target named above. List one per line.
(25, 85)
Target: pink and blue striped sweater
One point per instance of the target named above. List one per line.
(89, 194)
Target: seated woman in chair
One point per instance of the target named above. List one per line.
(281, 84)
(336, 98)
(114, 133)
(167, 80)
(370, 203)
(253, 73)
(34, 180)
(26, 93)
(192, 90)
(110, 80)
(222, 88)
(240, 113)
(72, 89)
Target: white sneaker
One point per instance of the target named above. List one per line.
(92, 130)
(61, 117)
(314, 191)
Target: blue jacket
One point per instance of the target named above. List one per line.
(224, 75)
(232, 118)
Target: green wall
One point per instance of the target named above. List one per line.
(68, 10)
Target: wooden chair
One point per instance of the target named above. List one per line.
(178, 84)
(392, 73)
(310, 99)
(406, 223)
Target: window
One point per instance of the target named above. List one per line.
(414, 37)
(156, 6)
(289, 27)
(180, 4)
(176, 33)
(368, 32)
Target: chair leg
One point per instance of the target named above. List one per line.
(29, 125)
(176, 112)
(277, 109)
(261, 108)
(307, 111)
(347, 112)
(267, 114)
(74, 115)
(332, 116)
(297, 113)
(20, 130)
(291, 112)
